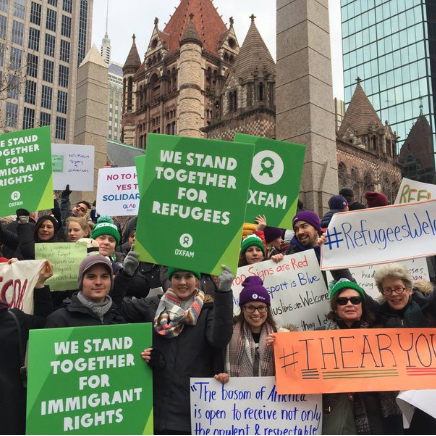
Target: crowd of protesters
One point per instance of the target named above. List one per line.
(194, 331)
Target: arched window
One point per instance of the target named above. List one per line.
(129, 93)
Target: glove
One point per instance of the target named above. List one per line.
(226, 279)
(157, 360)
(131, 263)
(66, 192)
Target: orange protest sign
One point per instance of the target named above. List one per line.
(355, 360)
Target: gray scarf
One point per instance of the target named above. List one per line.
(100, 309)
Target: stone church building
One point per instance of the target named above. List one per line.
(195, 80)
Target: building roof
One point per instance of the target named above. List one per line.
(115, 69)
(253, 55)
(121, 154)
(133, 60)
(360, 115)
(207, 21)
(94, 57)
(191, 34)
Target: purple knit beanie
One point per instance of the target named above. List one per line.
(89, 262)
(309, 217)
(272, 233)
(253, 291)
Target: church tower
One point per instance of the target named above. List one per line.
(190, 105)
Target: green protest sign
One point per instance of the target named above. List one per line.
(90, 380)
(192, 211)
(57, 161)
(26, 179)
(66, 258)
(140, 167)
(275, 180)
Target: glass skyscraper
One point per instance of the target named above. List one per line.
(390, 46)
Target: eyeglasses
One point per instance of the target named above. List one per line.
(398, 290)
(252, 309)
(343, 301)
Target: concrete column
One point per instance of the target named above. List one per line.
(304, 95)
(91, 125)
(190, 105)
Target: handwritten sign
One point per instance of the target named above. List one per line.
(380, 235)
(370, 360)
(73, 165)
(275, 180)
(251, 405)
(66, 259)
(117, 192)
(193, 188)
(412, 191)
(17, 282)
(296, 287)
(90, 380)
(364, 275)
(26, 179)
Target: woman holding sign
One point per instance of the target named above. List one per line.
(189, 329)
(356, 412)
(248, 353)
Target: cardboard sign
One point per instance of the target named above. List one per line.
(90, 380)
(411, 191)
(251, 405)
(195, 192)
(26, 180)
(380, 235)
(66, 258)
(117, 192)
(17, 282)
(296, 287)
(275, 180)
(364, 275)
(73, 165)
(369, 360)
(424, 400)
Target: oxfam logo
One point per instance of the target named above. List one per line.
(267, 167)
(15, 195)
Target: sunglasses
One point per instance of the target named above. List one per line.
(343, 301)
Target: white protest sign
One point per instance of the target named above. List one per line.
(117, 192)
(296, 287)
(73, 165)
(424, 400)
(251, 405)
(364, 275)
(411, 191)
(380, 235)
(17, 282)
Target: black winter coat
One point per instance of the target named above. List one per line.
(12, 392)
(75, 314)
(191, 354)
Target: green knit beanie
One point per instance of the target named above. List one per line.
(106, 226)
(251, 240)
(172, 270)
(346, 284)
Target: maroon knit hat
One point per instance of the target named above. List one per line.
(253, 291)
(376, 199)
(271, 233)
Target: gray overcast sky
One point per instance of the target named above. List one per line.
(137, 16)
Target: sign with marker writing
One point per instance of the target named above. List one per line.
(380, 235)
(26, 180)
(90, 380)
(364, 275)
(117, 192)
(197, 190)
(17, 282)
(66, 258)
(409, 400)
(251, 405)
(73, 165)
(296, 287)
(369, 360)
(275, 180)
(412, 191)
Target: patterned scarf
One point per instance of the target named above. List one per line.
(240, 353)
(171, 317)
